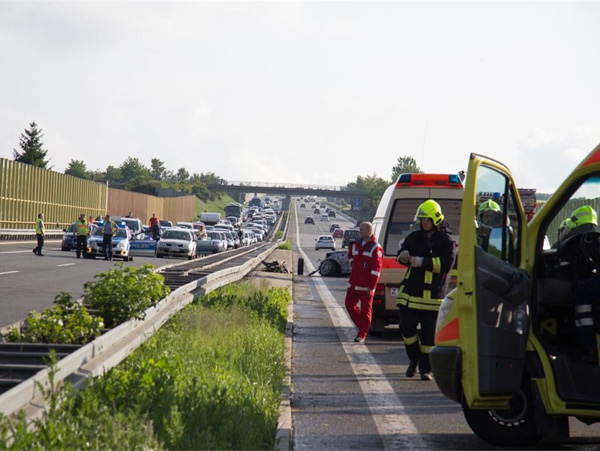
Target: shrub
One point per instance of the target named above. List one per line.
(124, 293)
(67, 322)
(286, 245)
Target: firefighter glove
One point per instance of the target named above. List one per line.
(404, 257)
(416, 262)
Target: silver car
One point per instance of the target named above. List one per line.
(212, 244)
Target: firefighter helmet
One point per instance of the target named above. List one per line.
(489, 205)
(432, 210)
(583, 215)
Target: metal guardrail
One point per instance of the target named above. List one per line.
(108, 350)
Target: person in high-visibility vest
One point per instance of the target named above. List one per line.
(429, 254)
(40, 231)
(82, 227)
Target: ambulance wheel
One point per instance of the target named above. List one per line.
(514, 426)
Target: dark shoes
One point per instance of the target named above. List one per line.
(412, 368)
(426, 376)
(359, 340)
(34, 252)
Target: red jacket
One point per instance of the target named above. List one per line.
(366, 261)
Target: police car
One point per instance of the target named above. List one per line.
(121, 242)
(507, 345)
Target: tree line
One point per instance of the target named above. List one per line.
(133, 175)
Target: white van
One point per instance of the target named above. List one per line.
(394, 220)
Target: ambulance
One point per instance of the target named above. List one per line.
(395, 219)
(506, 344)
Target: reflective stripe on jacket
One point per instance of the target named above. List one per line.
(425, 287)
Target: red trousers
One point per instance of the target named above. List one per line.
(361, 317)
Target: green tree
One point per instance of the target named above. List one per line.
(182, 175)
(132, 168)
(113, 175)
(374, 186)
(405, 165)
(77, 168)
(157, 169)
(32, 149)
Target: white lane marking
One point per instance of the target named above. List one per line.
(15, 252)
(8, 272)
(66, 264)
(396, 429)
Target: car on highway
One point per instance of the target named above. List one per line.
(335, 264)
(258, 231)
(338, 233)
(309, 220)
(121, 242)
(331, 213)
(325, 242)
(134, 224)
(177, 242)
(164, 224)
(350, 235)
(324, 218)
(212, 244)
(317, 211)
(334, 226)
(185, 225)
(302, 205)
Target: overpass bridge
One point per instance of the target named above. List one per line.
(288, 189)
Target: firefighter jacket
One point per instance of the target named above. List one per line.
(366, 261)
(424, 287)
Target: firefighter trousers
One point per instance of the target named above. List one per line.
(418, 344)
(361, 317)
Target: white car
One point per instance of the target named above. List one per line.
(325, 242)
(324, 217)
(177, 242)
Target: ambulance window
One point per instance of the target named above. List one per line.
(561, 226)
(401, 221)
(498, 223)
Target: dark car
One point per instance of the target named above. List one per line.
(334, 226)
(302, 205)
(350, 235)
(331, 213)
(317, 211)
(309, 220)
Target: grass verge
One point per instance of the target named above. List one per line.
(210, 379)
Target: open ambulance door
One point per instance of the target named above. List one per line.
(493, 290)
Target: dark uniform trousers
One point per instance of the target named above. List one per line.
(418, 345)
(81, 246)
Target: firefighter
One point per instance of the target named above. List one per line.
(490, 217)
(585, 294)
(82, 228)
(429, 254)
(366, 260)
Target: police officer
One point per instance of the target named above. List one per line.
(82, 227)
(109, 229)
(429, 254)
(40, 231)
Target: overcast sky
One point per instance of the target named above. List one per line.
(304, 92)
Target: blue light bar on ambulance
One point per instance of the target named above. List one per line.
(426, 180)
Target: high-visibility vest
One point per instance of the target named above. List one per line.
(83, 228)
(39, 227)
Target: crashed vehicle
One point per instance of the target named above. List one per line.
(336, 264)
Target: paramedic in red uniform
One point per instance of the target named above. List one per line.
(366, 259)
